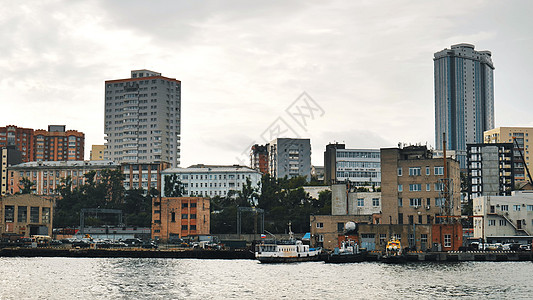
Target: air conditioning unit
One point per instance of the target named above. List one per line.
(428, 207)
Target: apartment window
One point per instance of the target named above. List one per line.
(428, 187)
(192, 216)
(375, 201)
(503, 223)
(184, 216)
(492, 222)
(419, 219)
(439, 202)
(411, 220)
(428, 202)
(399, 171)
(173, 217)
(530, 208)
(184, 205)
(319, 225)
(9, 213)
(416, 187)
(439, 170)
(382, 238)
(340, 226)
(447, 240)
(416, 202)
(414, 171)
(516, 207)
(424, 238)
(504, 207)
(184, 227)
(400, 188)
(427, 171)
(400, 218)
(193, 227)
(400, 202)
(360, 202)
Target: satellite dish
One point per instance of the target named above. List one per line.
(350, 226)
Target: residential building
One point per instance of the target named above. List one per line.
(22, 138)
(178, 217)
(58, 144)
(54, 144)
(510, 135)
(97, 152)
(47, 176)
(360, 167)
(143, 175)
(490, 169)
(143, 118)
(259, 158)
(464, 97)
(26, 215)
(211, 180)
(290, 157)
(317, 172)
(504, 218)
(9, 156)
(413, 186)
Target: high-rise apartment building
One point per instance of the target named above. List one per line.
(519, 136)
(143, 118)
(464, 97)
(259, 158)
(290, 157)
(58, 144)
(54, 144)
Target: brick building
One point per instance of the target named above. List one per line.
(259, 158)
(178, 217)
(143, 175)
(54, 144)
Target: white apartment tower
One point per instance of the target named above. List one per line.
(143, 119)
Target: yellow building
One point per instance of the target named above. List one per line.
(97, 152)
(506, 135)
(26, 215)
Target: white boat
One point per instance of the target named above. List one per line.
(285, 251)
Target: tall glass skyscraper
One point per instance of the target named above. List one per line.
(464, 97)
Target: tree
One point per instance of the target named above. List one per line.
(173, 186)
(26, 185)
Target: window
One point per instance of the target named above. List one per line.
(319, 225)
(440, 202)
(411, 221)
(34, 214)
(504, 207)
(184, 227)
(382, 238)
(530, 208)
(424, 238)
(416, 202)
(184, 205)
(447, 240)
(173, 217)
(438, 186)
(340, 227)
(375, 201)
(22, 215)
(400, 202)
(516, 207)
(414, 171)
(439, 170)
(193, 227)
(184, 216)
(427, 171)
(360, 202)
(400, 218)
(492, 222)
(428, 202)
(416, 187)
(503, 223)
(192, 216)
(400, 188)
(428, 187)
(399, 171)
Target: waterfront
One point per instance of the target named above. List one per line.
(127, 278)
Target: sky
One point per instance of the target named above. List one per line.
(354, 72)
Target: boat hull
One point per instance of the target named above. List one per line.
(280, 260)
(345, 258)
(394, 259)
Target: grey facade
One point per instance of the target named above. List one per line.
(360, 167)
(464, 97)
(490, 169)
(290, 157)
(143, 119)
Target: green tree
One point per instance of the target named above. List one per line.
(173, 186)
(26, 185)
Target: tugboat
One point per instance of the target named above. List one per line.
(393, 252)
(348, 252)
(285, 251)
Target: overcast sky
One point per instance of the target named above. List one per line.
(366, 65)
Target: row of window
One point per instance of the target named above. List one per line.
(361, 202)
(417, 202)
(417, 187)
(22, 214)
(417, 171)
